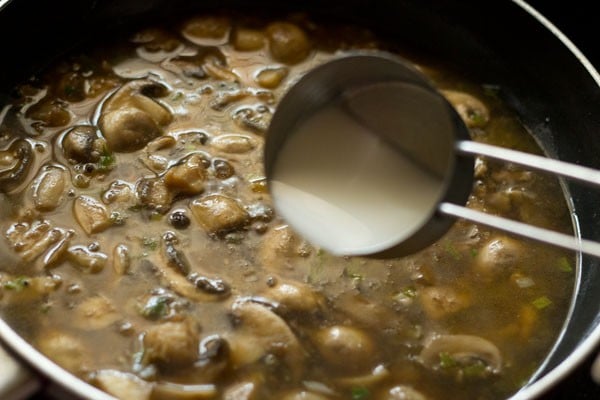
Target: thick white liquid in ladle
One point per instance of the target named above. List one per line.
(341, 186)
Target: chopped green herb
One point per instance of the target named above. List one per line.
(452, 251)
(541, 302)
(564, 264)
(474, 253)
(69, 90)
(409, 292)
(44, 308)
(475, 370)
(149, 243)
(17, 284)
(107, 161)
(477, 118)
(116, 218)
(155, 216)
(491, 90)
(156, 307)
(177, 96)
(359, 393)
(446, 360)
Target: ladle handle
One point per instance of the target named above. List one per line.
(583, 174)
(522, 229)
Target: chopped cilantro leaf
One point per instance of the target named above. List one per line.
(359, 393)
(541, 302)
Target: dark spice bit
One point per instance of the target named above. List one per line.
(209, 285)
(179, 220)
(175, 258)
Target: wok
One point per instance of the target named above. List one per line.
(542, 76)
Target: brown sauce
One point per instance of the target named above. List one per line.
(141, 251)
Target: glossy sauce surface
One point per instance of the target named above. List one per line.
(136, 218)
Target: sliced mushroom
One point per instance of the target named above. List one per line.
(231, 143)
(15, 163)
(345, 347)
(255, 119)
(177, 391)
(130, 120)
(95, 313)
(49, 188)
(87, 260)
(403, 392)
(171, 344)
(472, 111)
(188, 176)
(260, 332)
(154, 194)
(219, 214)
(43, 244)
(121, 259)
(447, 352)
(302, 395)
(122, 385)
(374, 377)
(91, 215)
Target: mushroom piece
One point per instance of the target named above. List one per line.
(232, 143)
(497, 256)
(177, 391)
(466, 354)
(49, 188)
(288, 43)
(188, 176)
(295, 296)
(441, 301)
(66, 350)
(154, 194)
(279, 245)
(82, 144)
(122, 385)
(87, 260)
(15, 163)
(261, 332)
(246, 39)
(130, 119)
(219, 214)
(403, 392)
(171, 344)
(95, 313)
(270, 78)
(302, 395)
(91, 214)
(346, 347)
(241, 391)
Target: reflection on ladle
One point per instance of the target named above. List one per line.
(365, 157)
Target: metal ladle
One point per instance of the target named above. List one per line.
(342, 119)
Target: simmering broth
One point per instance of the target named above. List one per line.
(143, 254)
